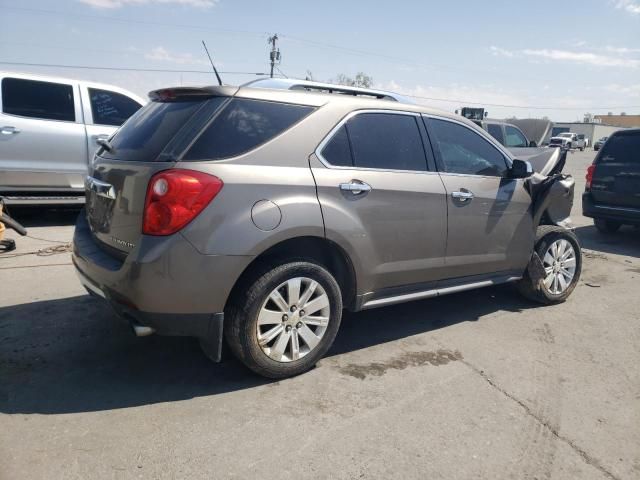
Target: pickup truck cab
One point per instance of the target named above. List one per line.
(49, 129)
(567, 141)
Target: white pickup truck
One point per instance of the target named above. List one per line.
(567, 141)
(49, 129)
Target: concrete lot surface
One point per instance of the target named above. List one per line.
(480, 384)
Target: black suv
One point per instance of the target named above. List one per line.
(612, 191)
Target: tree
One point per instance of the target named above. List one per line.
(361, 80)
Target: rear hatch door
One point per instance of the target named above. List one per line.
(150, 141)
(616, 179)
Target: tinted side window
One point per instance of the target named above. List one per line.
(495, 131)
(36, 99)
(464, 151)
(244, 125)
(338, 152)
(111, 108)
(514, 138)
(621, 148)
(389, 141)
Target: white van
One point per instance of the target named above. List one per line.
(49, 129)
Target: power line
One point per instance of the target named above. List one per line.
(127, 69)
(447, 100)
(532, 107)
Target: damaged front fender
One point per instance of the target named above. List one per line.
(552, 199)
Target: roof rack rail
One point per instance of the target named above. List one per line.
(319, 87)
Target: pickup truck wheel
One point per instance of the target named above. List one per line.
(285, 320)
(558, 266)
(606, 226)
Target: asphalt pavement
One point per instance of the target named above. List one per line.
(482, 384)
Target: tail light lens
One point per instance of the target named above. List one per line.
(175, 197)
(589, 176)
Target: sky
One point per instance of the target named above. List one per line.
(559, 59)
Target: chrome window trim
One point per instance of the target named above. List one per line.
(345, 119)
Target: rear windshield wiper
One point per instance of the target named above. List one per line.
(104, 143)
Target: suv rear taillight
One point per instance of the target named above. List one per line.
(175, 197)
(589, 176)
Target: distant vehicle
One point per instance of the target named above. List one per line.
(598, 145)
(520, 146)
(260, 214)
(567, 141)
(49, 130)
(612, 190)
(584, 139)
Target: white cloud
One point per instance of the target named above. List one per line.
(500, 52)
(163, 55)
(621, 50)
(631, 6)
(584, 58)
(121, 3)
(630, 90)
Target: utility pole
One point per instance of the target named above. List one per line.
(274, 55)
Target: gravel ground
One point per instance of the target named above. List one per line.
(475, 385)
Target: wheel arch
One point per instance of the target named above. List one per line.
(311, 248)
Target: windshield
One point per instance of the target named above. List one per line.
(565, 134)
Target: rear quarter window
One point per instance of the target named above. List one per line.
(111, 108)
(244, 125)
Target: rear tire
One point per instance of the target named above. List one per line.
(561, 272)
(606, 226)
(267, 327)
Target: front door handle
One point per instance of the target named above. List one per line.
(9, 130)
(356, 187)
(463, 196)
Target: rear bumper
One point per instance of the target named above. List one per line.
(626, 215)
(164, 283)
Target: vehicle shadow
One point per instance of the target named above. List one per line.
(624, 242)
(70, 355)
(30, 217)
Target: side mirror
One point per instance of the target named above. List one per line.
(533, 143)
(521, 169)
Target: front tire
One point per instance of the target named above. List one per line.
(606, 226)
(560, 253)
(285, 319)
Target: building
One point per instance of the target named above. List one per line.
(622, 120)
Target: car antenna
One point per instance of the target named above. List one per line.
(215, 70)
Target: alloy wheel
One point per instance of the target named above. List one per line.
(293, 319)
(560, 266)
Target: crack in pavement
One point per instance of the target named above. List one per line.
(584, 455)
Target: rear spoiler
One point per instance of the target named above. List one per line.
(185, 94)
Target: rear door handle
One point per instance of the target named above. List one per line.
(356, 187)
(463, 195)
(9, 130)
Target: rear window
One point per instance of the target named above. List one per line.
(621, 148)
(143, 137)
(244, 125)
(37, 99)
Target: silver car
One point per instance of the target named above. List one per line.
(257, 215)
